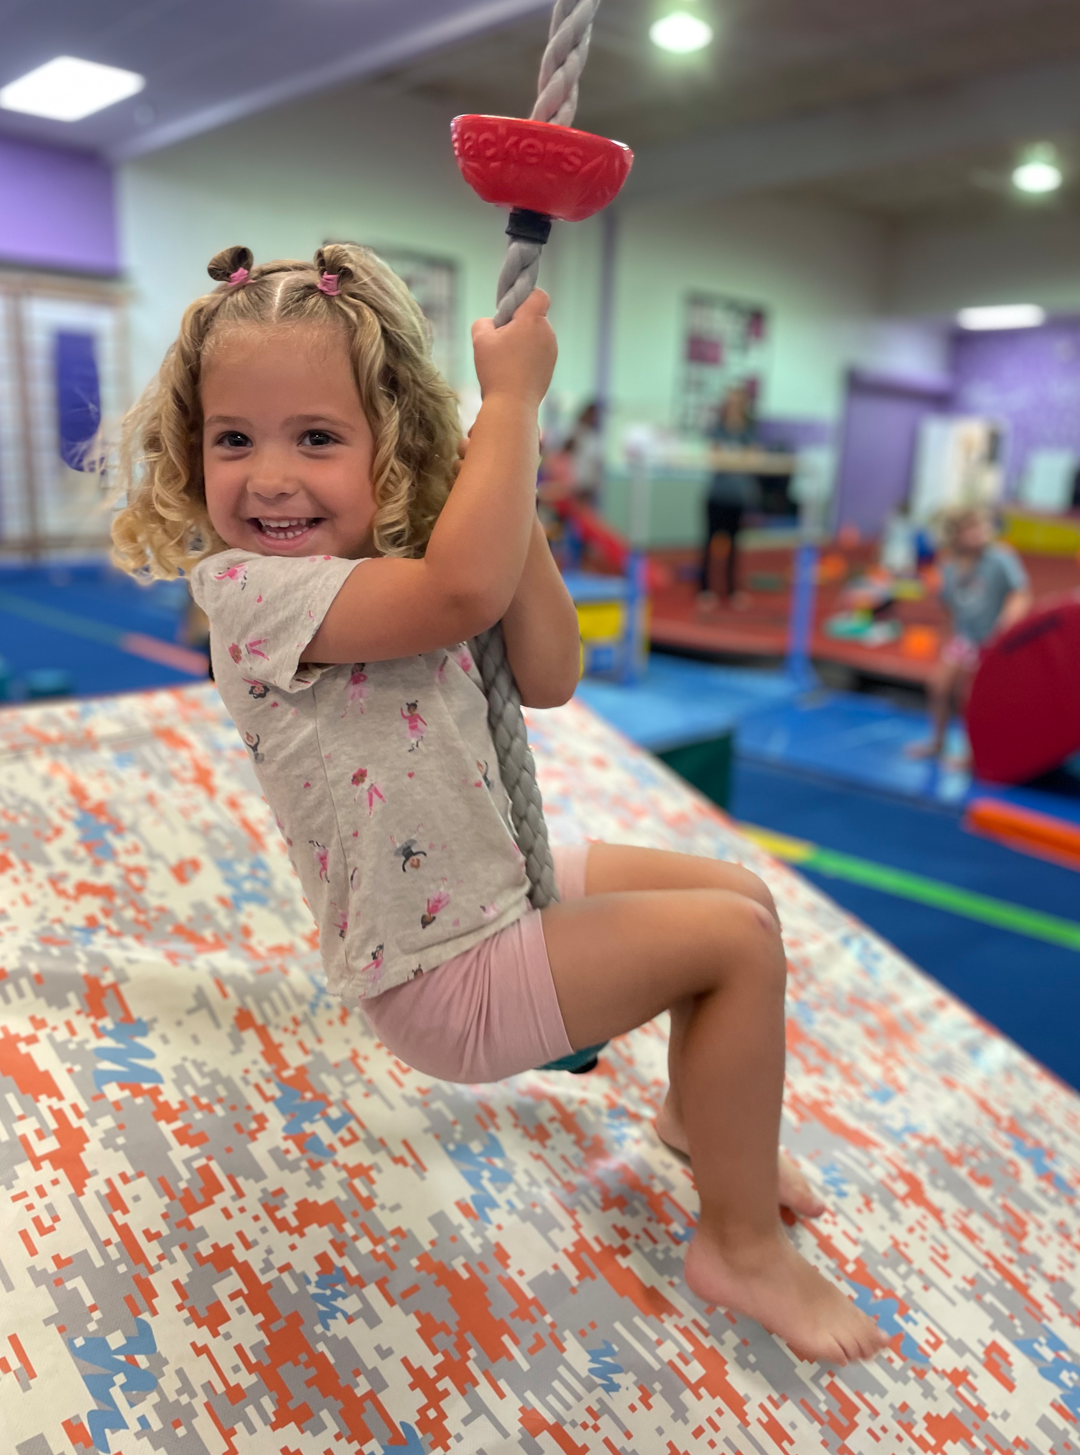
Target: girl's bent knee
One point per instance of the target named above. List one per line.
(744, 917)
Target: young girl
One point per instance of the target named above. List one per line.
(985, 590)
(296, 456)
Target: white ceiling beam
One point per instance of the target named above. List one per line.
(465, 18)
(1020, 106)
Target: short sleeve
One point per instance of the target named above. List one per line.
(1012, 569)
(264, 610)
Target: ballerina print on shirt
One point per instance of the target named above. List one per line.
(233, 573)
(414, 725)
(409, 853)
(322, 859)
(373, 791)
(435, 905)
(356, 689)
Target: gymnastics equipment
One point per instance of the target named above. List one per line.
(1023, 714)
(1040, 834)
(541, 169)
(613, 550)
(612, 614)
(234, 1221)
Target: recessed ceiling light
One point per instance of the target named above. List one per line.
(1002, 315)
(680, 32)
(67, 89)
(1037, 176)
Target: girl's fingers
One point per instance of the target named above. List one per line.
(537, 303)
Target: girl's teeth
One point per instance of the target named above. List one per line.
(284, 530)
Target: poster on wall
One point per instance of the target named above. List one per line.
(432, 281)
(724, 343)
(62, 376)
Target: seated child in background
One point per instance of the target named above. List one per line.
(985, 590)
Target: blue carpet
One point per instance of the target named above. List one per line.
(1028, 989)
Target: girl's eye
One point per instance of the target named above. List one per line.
(318, 438)
(232, 439)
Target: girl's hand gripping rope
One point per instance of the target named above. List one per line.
(518, 359)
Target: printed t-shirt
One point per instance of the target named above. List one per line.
(975, 598)
(382, 775)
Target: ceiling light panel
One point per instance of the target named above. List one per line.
(681, 33)
(1002, 315)
(1037, 176)
(67, 89)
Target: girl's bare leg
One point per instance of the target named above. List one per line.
(614, 868)
(942, 693)
(617, 960)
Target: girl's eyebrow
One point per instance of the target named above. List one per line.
(294, 420)
(312, 419)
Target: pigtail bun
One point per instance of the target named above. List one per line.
(339, 260)
(222, 266)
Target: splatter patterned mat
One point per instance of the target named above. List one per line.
(234, 1225)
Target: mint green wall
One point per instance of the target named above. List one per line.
(818, 271)
(364, 164)
(353, 164)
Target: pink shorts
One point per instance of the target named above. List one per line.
(489, 1012)
(960, 652)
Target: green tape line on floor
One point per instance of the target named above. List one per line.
(945, 896)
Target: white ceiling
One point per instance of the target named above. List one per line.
(207, 62)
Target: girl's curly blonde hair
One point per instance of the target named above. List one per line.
(164, 528)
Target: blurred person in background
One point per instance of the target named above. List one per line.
(584, 452)
(985, 590)
(731, 493)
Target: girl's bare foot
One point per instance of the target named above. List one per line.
(770, 1282)
(958, 762)
(922, 751)
(795, 1192)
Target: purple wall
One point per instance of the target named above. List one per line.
(1030, 379)
(57, 209)
(777, 432)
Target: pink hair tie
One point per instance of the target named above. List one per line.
(328, 284)
(240, 276)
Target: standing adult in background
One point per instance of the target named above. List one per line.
(585, 450)
(730, 492)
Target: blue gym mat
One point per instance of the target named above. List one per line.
(71, 618)
(1026, 987)
(681, 701)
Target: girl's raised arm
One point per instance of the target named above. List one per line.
(393, 607)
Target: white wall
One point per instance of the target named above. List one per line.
(351, 165)
(364, 165)
(817, 271)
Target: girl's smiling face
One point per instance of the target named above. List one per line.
(287, 448)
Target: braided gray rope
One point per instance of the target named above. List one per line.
(560, 72)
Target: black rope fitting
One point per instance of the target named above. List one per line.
(528, 226)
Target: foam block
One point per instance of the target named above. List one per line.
(233, 1222)
(1023, 715)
